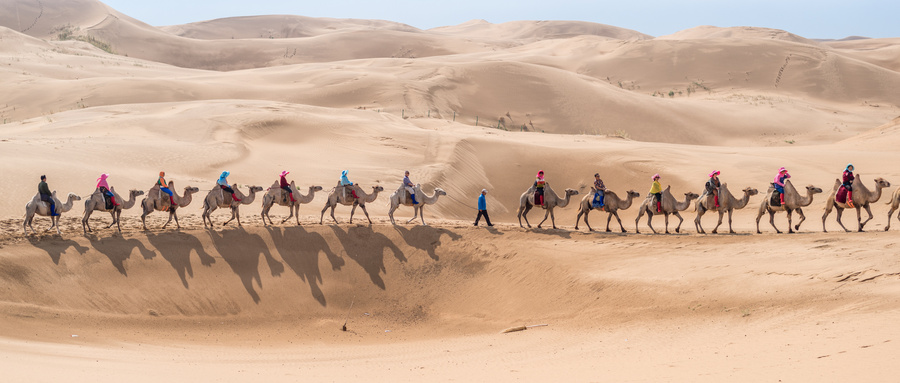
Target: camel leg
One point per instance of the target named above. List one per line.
(828, 207)
(552, 218)
(332, 213)
(112, 214)
(291, 208)
(666, 215)
(237, 214)
(230, 219)
(650, 220)
(578, 218)
(415, 215)
(391, 212)
(297, 213)
(863, 224)
(322, 217)
(891, 213)
(84, 220)
(363, 207)
(636, 220)
(174, 215)
(144, 220)
(680, 221)
(546, 214)
(524, 214)
(802, 218)
(839, 213)
(772, 221)
(615, 213)
(59, 232)
(721, 215)
(697, 224)
(758, 216)
(730, 230)
(422, 214)
(353, 210)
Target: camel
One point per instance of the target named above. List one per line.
(895, 205)
(338, 196)
(669, 206)
(611, 204)
(97, 202)
(218, 198)
(792, 201)
(276, 195)
(399, 198)
(551, 200)
(727, 202)
(862, 198)
(157, 200)
(36, 206)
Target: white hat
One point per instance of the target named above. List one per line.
(484, 190)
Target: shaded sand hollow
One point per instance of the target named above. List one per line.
(89, 90)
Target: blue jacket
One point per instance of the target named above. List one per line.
(223, 179)
(482, 202)
(344, 179)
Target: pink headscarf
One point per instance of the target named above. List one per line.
(102, 181)
(782, 170)
(714, 173)
(284, 173)
(655, 176)
(540, 174)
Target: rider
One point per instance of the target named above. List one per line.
(599, 191)
(712, 187)
(410, 188)
(539, 183)
(104, 188)
(47, 196)
(656, 191)
(285, 185)
(345, 182)
(848, 183)
(164, 187)
(779, 182)
(223, 183)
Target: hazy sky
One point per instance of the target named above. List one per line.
(813, 19)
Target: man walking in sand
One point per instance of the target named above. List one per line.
(482, 209)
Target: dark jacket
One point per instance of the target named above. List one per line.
(44, 189)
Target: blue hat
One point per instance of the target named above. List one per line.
(225, 174)
(849, 166)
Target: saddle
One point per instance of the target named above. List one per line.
(841, 196)
(106, 199)
(776, 198)
(539, 199)
(226, 197)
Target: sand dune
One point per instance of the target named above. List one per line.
(464, 107)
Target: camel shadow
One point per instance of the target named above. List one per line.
(366, 247)
(425, 238)
(119, 249)
(241, 250)
(562, 233)
(176, 249)
(56, 247)
(300, 250)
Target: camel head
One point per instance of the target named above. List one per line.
(691, 195)
(315, 188)
(191, 189)
(882, 182)
(633, 194)
(751, 191)
(256, 189)
(377, 189)
(570, 192)
(135, 192)
(74, 196)
(439, 191)
(812, 189)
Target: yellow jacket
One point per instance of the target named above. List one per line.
(656, 188)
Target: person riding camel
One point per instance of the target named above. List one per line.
(345, 182)
(285, 185)
(47, 196)
(539, 183)
(778, 183)
(410, 187)
(712, 188)
(104, 189)
(164, 187)
(223, 183)
(656, 191)
(599, 191)
(847, 183)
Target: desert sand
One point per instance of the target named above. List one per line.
(89, 90)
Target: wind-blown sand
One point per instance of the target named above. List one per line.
(258, 95)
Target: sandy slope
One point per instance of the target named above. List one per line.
(377, 97)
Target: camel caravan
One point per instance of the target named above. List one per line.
(848, 192)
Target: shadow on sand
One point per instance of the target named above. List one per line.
(300, 250)
(119, 249)
(175, 248)
(56, 246)
(366, 247)
(241, 251)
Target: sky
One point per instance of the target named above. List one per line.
(826, 19)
